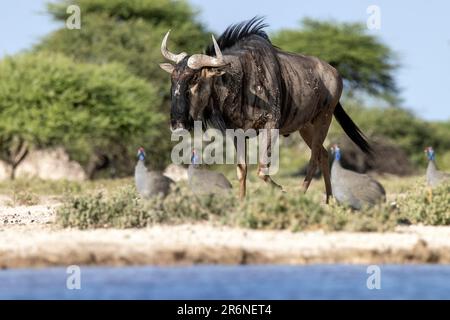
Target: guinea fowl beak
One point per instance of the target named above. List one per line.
(140, 152)
(334, 148)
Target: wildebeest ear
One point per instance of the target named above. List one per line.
(212, 72)
(168, 67)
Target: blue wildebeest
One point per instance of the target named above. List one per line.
(244, 82)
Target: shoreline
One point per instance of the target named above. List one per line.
(34, 241)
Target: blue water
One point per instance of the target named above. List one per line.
(230, 282)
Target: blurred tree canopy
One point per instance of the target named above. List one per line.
(365, 63)
(128, 32)
(49, 99)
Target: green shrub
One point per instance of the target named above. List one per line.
(184, 206)
(49, 99)
(264, 208)
(23, 198)
(268, 208)
(121, 209)
(419, 206)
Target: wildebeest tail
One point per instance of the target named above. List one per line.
(352, 130)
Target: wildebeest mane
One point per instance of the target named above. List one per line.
(239, 31)
(212, 118)
(247, 35)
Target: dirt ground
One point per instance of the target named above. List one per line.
(29, 238)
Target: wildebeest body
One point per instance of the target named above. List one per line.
(265, 84)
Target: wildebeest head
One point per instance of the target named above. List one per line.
(192, 80)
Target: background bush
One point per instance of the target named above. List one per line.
(130, 33)
(49, 99)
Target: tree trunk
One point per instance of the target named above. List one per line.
(12, 175)
(15, 154)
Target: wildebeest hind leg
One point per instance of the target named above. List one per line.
(307, 134)
(325, 167)
(314, 136)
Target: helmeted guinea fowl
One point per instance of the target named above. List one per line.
(434, 176)
(354, 189)
(150, 183)
(203, 181)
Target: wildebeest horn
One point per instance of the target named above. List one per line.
(169, 55)
(198, 61)
(217, 48)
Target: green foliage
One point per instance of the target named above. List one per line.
(154, 11)
(23, 198)
(264, 208)
(421, 206)
(48, 99)
(280, 211)
(121, 210)
(362, 59)
(128, 32)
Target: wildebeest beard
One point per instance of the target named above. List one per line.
(180, 104)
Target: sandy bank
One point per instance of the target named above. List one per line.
(28, 238)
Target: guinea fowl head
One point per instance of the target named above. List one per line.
(336, 151)
(430, 153)
(141, 153)
(195, 159)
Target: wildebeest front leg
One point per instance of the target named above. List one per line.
(241, 169)
(265, 142)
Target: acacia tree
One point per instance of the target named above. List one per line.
(365, 63)
(49, 100)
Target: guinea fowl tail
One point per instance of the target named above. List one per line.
(352, 130)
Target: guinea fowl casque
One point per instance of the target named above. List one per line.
(203, 181)
(354, 189)
(150, 183)
(434, 176)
